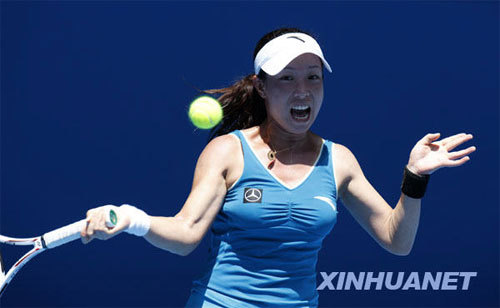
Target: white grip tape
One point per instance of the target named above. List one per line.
(64, 234)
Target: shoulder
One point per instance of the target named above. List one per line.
(221, 147)
(343, 155)
(346, 165)
(221, 154)
(223, 144)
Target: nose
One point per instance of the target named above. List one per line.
(301, 95)
(302, 90)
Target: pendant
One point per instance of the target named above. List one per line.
(270, 165)
(271, 155)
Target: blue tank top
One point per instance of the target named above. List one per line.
(266, 238)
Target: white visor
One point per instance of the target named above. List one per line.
(280, 51)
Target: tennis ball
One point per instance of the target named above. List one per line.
(205, 112)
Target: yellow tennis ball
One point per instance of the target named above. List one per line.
(205, 112)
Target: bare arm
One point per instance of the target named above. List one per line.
(182, 233)
(394, 229)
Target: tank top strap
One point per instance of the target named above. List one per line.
(247, 151)
(329, 164)
(326, 157)
(329, 158)
(252, 167)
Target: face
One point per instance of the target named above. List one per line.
(294, 96)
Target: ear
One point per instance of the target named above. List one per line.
(258, 84)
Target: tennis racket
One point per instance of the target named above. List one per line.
(49, 240)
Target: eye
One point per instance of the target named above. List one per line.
(286, 78)
(314, 77)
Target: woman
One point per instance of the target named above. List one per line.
(268, 187)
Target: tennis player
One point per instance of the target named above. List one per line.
(267, 187)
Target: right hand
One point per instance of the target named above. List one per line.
(96, 224)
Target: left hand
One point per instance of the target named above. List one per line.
(429, 155)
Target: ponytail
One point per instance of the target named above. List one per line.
(242, 106)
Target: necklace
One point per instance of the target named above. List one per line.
(271, 155)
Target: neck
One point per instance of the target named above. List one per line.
(279, 139)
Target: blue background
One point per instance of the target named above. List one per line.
(93, 111)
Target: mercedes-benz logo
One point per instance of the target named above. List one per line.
(252, 195)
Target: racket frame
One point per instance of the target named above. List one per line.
(49, 240)
(38, 247)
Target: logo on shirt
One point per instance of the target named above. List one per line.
(327, 200)
(252, 195)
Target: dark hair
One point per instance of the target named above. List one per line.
(242, 105)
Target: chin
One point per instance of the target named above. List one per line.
(294, 125)
(299, 128)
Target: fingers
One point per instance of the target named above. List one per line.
(456, 163)
(449, 143)
(446, 140)
(87, 232)
(453, 141)
(462, 153)
(96, 225)
(429, 138)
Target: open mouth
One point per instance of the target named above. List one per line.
(300, 113)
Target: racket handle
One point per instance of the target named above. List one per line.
(64, 234)
(71, 232)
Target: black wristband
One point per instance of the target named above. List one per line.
(414, 185)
